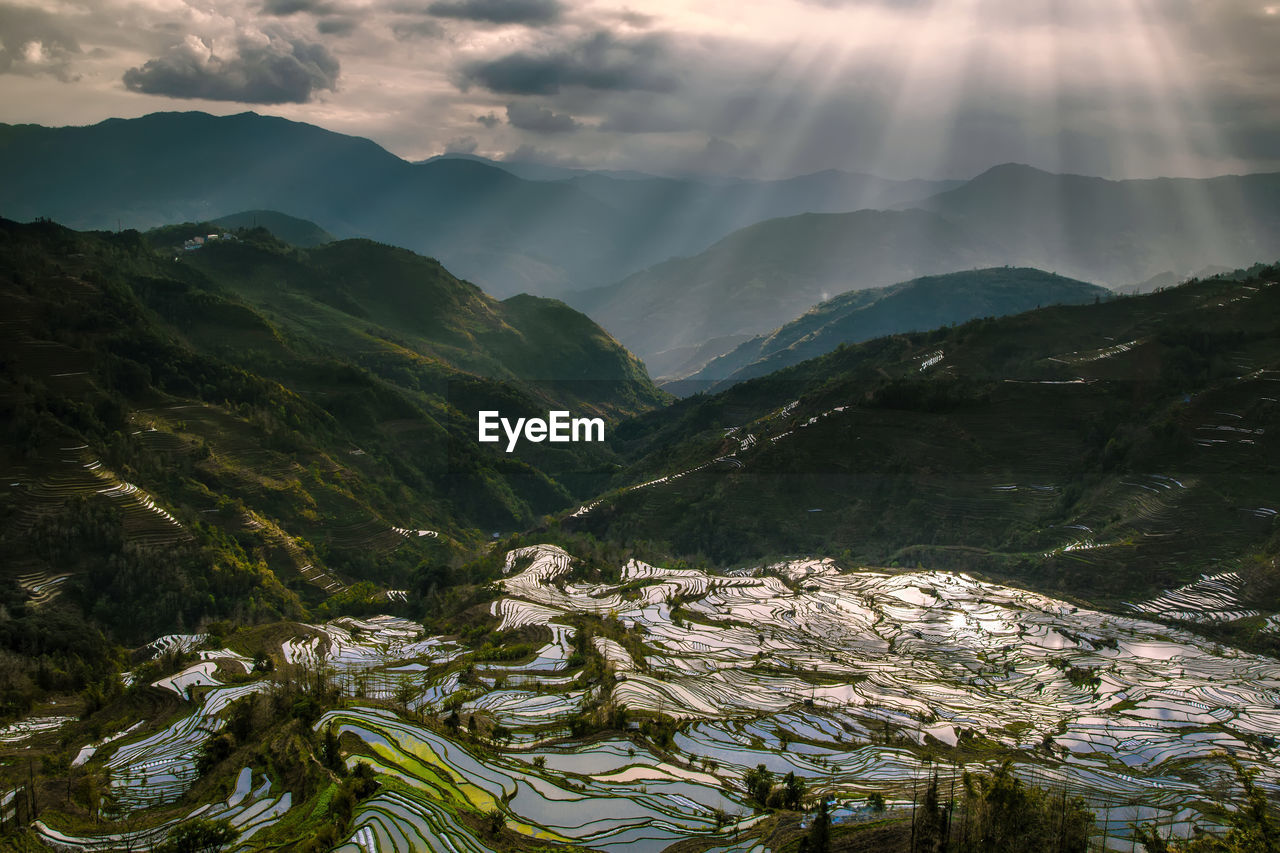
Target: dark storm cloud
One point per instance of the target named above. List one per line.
(539, 119)
(1249, 124)
(411, 30)
(282, 71)
(21, 28)
(338, 26)
(907, 87)
(499, 11)
(602, 61)
(284, 8)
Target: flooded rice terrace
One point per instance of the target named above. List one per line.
(857, 682)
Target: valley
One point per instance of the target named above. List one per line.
(262, 580)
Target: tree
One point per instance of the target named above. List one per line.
(793, 789)
(1003, 815)
(1251, 829)
(931, 821)
(759, 783)
(240, 721)
(332, 749)
(199, 836)
(216, 750)
(820, 832)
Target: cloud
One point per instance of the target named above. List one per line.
(902, 87)
(651, 114)
(719, 156)
(265, 70)
(638, 20)
(530, 154)
(284, 8)
(411, 30)
(888, 4)
(337, 26)
(33, 41)
(499, 11)
(539, 119)
(601, 61)
(461, 145)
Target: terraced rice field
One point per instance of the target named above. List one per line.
(1086, 356)
(74, 475)
(249, 809)
(856, 682)
(645, 805)
(158, 768)
(26, 729)
(1213, 598)
(745, 441)
(855, 671)
(42, 586)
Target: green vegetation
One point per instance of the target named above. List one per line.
(766, 794)
(288, 229)
(341, 807)
(251, 432)
(1251, 828)
(922, 303)
(1081, 450)
(1004, 815)
(199, 836)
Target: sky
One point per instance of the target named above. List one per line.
(759, 88)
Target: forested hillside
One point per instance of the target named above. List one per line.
(1108, 451)
(248, 431)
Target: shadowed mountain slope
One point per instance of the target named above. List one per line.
(917, 305)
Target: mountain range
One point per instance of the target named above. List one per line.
(762, 276)
(912, 306)
(505, 232)
(1114, 233)
(1117, 232)
(518, 227)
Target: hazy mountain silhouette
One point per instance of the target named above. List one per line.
(917, 305)
(761, 276)
(506, 233)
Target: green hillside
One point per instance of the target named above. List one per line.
(271, 450)
(289, 229)
(251, 431)
(1105, 451)
(380, 305)
(918, 305)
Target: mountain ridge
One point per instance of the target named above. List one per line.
(767, 273)
(916, 305)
